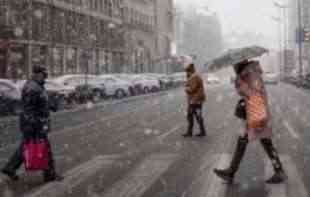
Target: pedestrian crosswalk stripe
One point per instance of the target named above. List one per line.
(74, 178)
(213, 186)
(295, 184)
(137, 182)
(291, 131)
(275, 190)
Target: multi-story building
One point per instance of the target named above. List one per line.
(293, 26)
(140, 34)
(78, 36)
(68, 36)
(165, 35)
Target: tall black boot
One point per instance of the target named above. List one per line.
(279, 176)
(229, 173)
(14, 163)
(201, 125)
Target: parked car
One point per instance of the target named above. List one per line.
(149, 84)
(165, 81)
(137, 87)
(115, 87)
(10, 98)
(212, 79)
(59, 95)
(85, 86)
(271, 78)
(178, 78)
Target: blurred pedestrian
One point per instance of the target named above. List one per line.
(34, 123)
(253, 109)
(194, 89)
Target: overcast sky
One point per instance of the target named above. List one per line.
(243, 15)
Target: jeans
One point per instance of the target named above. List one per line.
(195, 111)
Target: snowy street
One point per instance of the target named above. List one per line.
(135, 149)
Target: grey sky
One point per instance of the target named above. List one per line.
(244, 15)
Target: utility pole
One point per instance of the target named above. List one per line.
(300, 41)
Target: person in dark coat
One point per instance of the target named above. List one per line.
(34, 123)
(257, 118)
(194, 89)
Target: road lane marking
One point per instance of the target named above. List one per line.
(279, 190)
(296, 187)
(214, 186)
(137, 182)
(290, 129)
(174, 129)
(75, 177)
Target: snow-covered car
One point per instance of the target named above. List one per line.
(137, 87)
(149, 84)
(60, 94)
(178, 78)
(271, 78)
(164, 80)
(10, 97)
(115, 87)
(212, 79)
(81, 83)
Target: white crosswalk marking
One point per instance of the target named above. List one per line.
(291, 130)
(139, 180)
(74, 178)
(213, 186)
(274, 190)
(295, 184)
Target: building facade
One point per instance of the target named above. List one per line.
(68, 36)
(77, 36)
(165, 36)
(293, 26)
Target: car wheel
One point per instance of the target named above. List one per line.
(97, 95)
(120, 94)
(146, 90)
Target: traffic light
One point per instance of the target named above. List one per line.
(306, 34)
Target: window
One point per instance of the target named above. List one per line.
(58, 26)
(71, 60)
(40, 19)
(18, 17)
(57, 61)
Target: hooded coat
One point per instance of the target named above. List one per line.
(250, 86)
(195, 89)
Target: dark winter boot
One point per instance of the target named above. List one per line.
(279, 176)
(11, 175)
(229, 173)
(52, 176)
(14, 163)
(188, 134)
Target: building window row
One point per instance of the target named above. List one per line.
(49, 24)
(138, 19)
(108, 7)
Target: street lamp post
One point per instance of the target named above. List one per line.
(283, 58)
(111, 26)
(300, 44)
